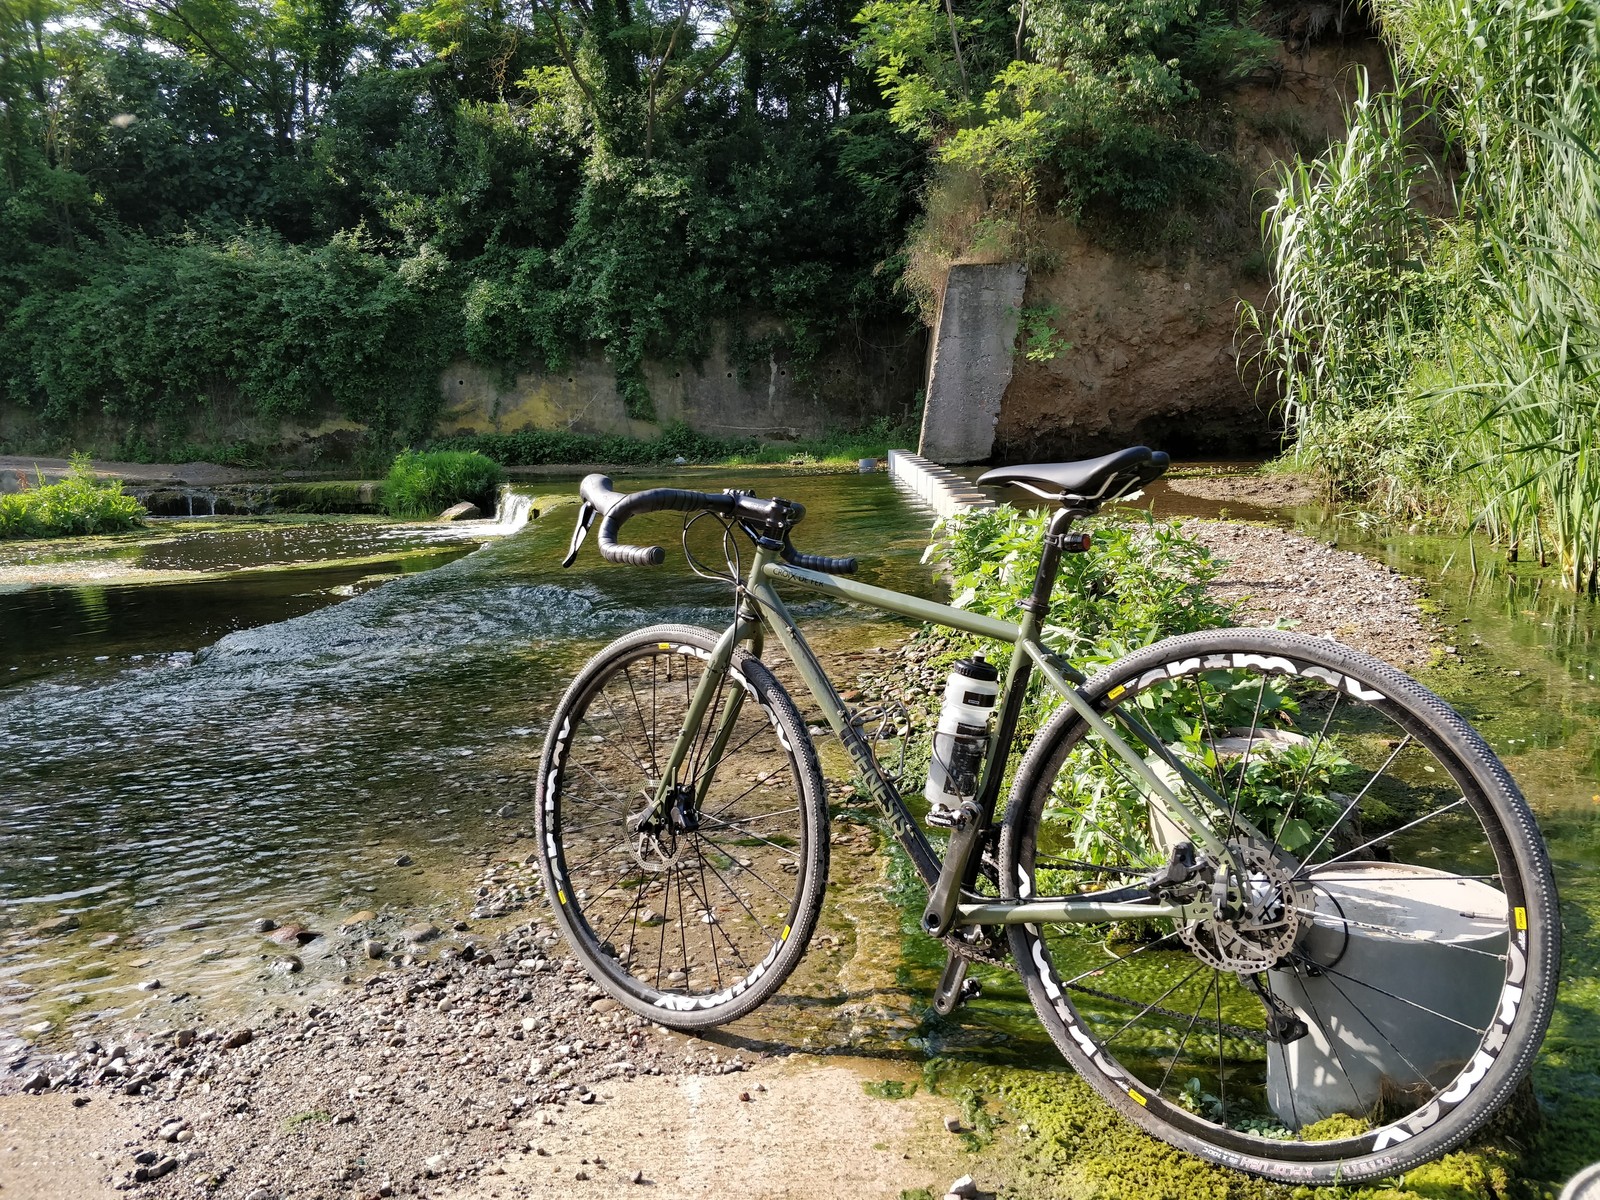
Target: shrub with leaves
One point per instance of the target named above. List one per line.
(78, 505)
(1144, 580)
(422, 484)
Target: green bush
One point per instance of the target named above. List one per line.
(1144, 579)
(421, 484)
(80, 504)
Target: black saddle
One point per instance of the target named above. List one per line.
(1097, 479)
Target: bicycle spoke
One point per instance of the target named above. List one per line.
(1334, 921)
(1305, 870)
(1244, 766)
(1359, 797)
(1211, 982)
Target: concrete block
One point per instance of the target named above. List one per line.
(970, 366)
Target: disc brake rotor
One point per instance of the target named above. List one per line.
(1265, 922)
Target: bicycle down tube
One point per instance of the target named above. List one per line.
(770, 612)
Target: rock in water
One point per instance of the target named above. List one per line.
(462, 510)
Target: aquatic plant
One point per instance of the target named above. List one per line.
(80, 504)
(421, 484)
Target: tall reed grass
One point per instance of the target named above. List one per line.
(1435, 318)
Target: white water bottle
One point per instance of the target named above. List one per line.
(961, 737)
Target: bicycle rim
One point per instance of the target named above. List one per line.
(1387, 968)
(694, 916)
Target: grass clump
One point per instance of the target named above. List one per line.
(80, 504)
(421, 484)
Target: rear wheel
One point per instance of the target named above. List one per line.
(694, 916)
(1378, 981)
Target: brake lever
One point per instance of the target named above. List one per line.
(586, 516)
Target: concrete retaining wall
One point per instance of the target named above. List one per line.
(970, 368)
(860, 379)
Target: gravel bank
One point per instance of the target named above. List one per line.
(1274, 575)
(497, 1071)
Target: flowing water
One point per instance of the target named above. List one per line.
(178, 760)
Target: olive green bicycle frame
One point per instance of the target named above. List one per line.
(760, 610)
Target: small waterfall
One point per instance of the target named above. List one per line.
(513, 512)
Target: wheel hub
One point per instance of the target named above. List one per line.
(1263, 918)
(658, 842)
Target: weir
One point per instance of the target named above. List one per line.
(939, 487)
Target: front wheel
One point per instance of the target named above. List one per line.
(1372, 985)
(693, 916)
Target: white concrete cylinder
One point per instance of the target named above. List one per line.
(1413, 971)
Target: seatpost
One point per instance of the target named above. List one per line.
(1056, 541)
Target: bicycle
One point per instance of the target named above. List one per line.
(1277, 902)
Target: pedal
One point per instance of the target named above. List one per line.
(952, 990)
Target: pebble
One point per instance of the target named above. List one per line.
(239, 1037)
(403, 861)
(263, 925)
(56, 925)
(420, 933)
(150, 985)
(156, 1170)
(953, 1124)
(260, 1194)
(374, 949)
(290, 964)
(965, 1187)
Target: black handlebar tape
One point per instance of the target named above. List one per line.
(819, 562)
(619, 508)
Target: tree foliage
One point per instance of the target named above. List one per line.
(281, 206)
(1084, 107)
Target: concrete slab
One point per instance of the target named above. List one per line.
(970, 368)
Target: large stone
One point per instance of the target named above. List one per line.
(461, 510)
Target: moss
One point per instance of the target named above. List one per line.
(889, 1089)
(1337, 1126)
(1482, 1174)
(1060, 1140)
